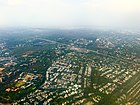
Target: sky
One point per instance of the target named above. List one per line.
(70, 13)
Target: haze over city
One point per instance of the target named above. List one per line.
(70, 13)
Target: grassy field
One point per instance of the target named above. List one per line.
(20, 83)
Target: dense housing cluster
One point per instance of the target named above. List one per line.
(98, 69)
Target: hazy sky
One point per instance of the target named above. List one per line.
(70, 13)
